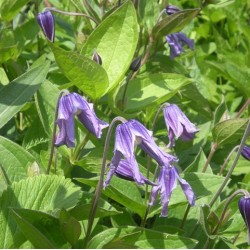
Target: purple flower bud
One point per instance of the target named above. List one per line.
(69, 106)
(178, 124)
(244, 207)
(96, 57)
(136, 64)
(46, 22)
(171, 9)
(246, 152)
(128, 135)
(176, 42)
(167, 182)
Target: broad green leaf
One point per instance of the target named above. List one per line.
(83, 208)
(14, 96)
(43, 193)
(151, 89)
(220, 112)
(83, 72)
(148, 12)
(174, 23)
(123, 192)
(9, 8)
(41, 229)
(115, 40)
(229, 131)
(14, 160)
(46, 100)
(139, 238)
(70, 227)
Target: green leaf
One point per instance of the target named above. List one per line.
(148, 12)
(43, 193)
(229, 131)
(136, 237)
(9, 8)
(220, 111)
(83, 72)
(46, 100)
(123, 192)
(71, 228)
(82, 210)
(14, 160)
(115, 40)
(41, 229)
(174, 23)
(149, 90)
(14, 96)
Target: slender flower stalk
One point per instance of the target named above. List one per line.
(245, 136)
(227, 159)
(237, 192)
(243, 108)
(71, 13)
(54, 131)
(100, 182)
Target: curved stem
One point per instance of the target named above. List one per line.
(125, 89)
(246, 134)
(54, 131)
(212, 151)
(100, 183)
(81, 146)
(160, 15)
(227, 159)
(240, 191)
(71, 14)
(243, 108)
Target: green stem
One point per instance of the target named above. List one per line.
(81, 146)
(100, 183)
(243, 108)
(71, 14)
(240, 191)
(125, 89)
(227, 159)
(212, 151)
(246, 134)
(54, 131)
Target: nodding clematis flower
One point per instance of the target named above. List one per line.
(74, 104)
(176, 42)
(128, 135)
(125, 171)
(167, 182)
(171, 9)
(46, 22)
(246, 152)
(178, 124)
(244, 207)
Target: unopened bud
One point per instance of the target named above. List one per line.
(96, 57)
(135, 65)
(171, 9)
(47, 23)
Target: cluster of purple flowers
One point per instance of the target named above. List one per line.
(128, 135)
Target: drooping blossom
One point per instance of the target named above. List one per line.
(246, 152)
(244, 207)
(128, 135)
(125, 171)
(178, 124)
(47, 23)
(171, 9)
(167, 182)
(74, 104)
(176, 42)
(136, 64)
